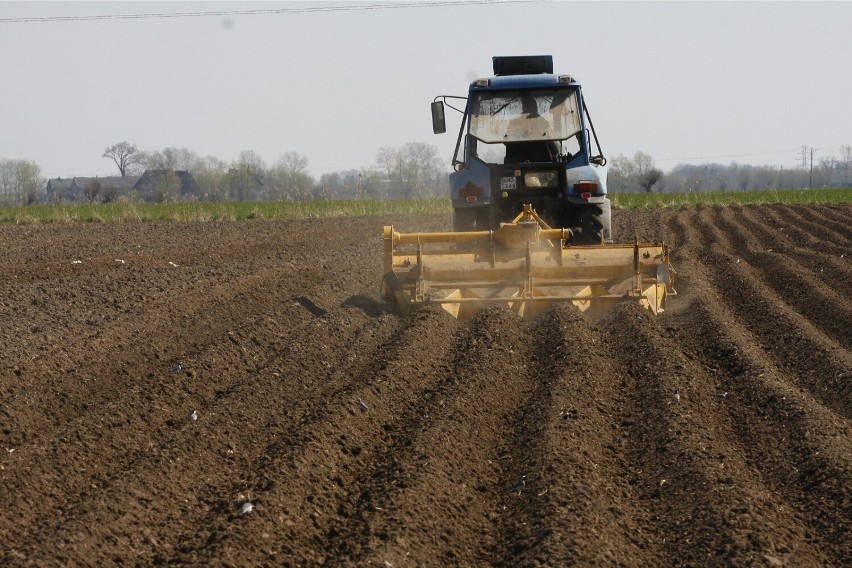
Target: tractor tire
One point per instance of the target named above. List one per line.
(472, 219)
(594, 225)
(484, 219)
(464, 219)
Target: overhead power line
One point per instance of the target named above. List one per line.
(799, 154)
(728, 156)
(259, 12)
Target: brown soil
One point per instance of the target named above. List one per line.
(113, 335)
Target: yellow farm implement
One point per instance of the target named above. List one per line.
(524, 265)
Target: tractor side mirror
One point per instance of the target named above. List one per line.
(439, 124)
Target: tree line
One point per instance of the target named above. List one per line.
(411, 170)
(639, 174)
(20, 181)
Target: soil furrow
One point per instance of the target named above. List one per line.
(816, 225)
(834, 272)
(226, 415)
(138, 422)
(84, 383)
(839, 212)
(821, 305)
(365, 528)
(683, 461)
(279, 331)
(452, 507)
(200, 313)
(767, 417)
(809, 459)
(643, 224)
(778, 220)
(81, 377)
(838, 231)
(332, 457)
(164, 402)
(822, 367)
(570, 432)
(522, 537)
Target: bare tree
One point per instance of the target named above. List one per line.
(252, 161)
(620, 170)
(171, 158)
(31, 180)
(8, 179)
(846, 159)
(413, 169)
(294, 162)
(20, 181)
(390, 160)
(288, 179)
(638, 174)
(648, 179)
(210, 174)
(184, 158)
(125, 155)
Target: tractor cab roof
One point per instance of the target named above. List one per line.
(523, 82)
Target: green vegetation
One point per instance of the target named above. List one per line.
(219, 211)
(290, 210)
(694, 199)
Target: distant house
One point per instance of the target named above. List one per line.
(59, 189)
(166, 185)
(152, 185)
(107, 188)
(110, 188)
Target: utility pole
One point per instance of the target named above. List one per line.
(781, 182)
(811, 178)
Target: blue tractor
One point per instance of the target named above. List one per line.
(531, 217)
(526, 139)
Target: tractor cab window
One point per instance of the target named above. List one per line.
(525, 116)
(532, 126)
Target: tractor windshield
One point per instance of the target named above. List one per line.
(523, 116)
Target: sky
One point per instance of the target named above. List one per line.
(686, 82)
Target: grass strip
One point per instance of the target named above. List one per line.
(291, 210)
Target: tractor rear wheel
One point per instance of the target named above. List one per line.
(590, 226)
(464, 219)
(471, 219)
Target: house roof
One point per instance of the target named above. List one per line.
(109, 182)
(59, 184)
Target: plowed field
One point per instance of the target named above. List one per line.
(112, 335)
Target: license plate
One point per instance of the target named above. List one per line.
(508, 183)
